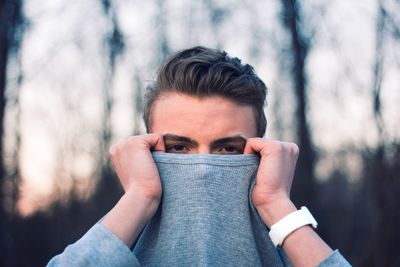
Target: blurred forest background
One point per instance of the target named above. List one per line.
(71, 80)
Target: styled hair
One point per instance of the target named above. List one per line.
(203, 72)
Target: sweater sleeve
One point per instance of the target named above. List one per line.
(334, 260)
(98, 247)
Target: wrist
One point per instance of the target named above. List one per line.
(275, 210)
(129, 216)
(148, 205)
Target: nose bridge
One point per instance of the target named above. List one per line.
(203, 149)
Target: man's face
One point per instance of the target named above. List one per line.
(212, 125)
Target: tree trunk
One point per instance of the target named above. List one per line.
(164, 49)
(10, 19)
(4, 29)
(303, 185)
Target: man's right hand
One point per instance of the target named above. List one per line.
(135, 167)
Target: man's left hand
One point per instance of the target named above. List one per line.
(271, 194)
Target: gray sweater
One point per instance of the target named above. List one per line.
(205, 218)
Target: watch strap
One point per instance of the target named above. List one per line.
(284, 227)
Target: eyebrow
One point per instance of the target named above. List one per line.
(173, 137)
(230, 139)
(215, 143)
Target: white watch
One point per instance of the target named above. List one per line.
(281, 229)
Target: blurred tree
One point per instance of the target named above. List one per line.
(137, 97)
(304, 183)
(381, 165)
(108, 188)
(161, 24)
(11, 30)
(217, 16)
(114, 45)
(378, 70)
(382, 182)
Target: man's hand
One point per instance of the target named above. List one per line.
(271, 197)
(134, 165)
(271, 194)
(138, 174)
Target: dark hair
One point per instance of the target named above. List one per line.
(203, 72)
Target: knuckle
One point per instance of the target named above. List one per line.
(292, 148)
(255, 140)
(138, 142)
(112, 150)
(295, 149)
(285, 147)
(132, 139)
(252, 139)
(277, 146)
(157, 135)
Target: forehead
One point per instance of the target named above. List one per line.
(207, 117)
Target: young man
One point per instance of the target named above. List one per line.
(202, 102)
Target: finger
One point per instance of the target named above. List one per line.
(255, 145)
(156, 141)
(112, 152)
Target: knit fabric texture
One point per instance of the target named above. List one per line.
(206, 217)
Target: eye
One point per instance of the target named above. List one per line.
(177, 148)
(229, 150)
